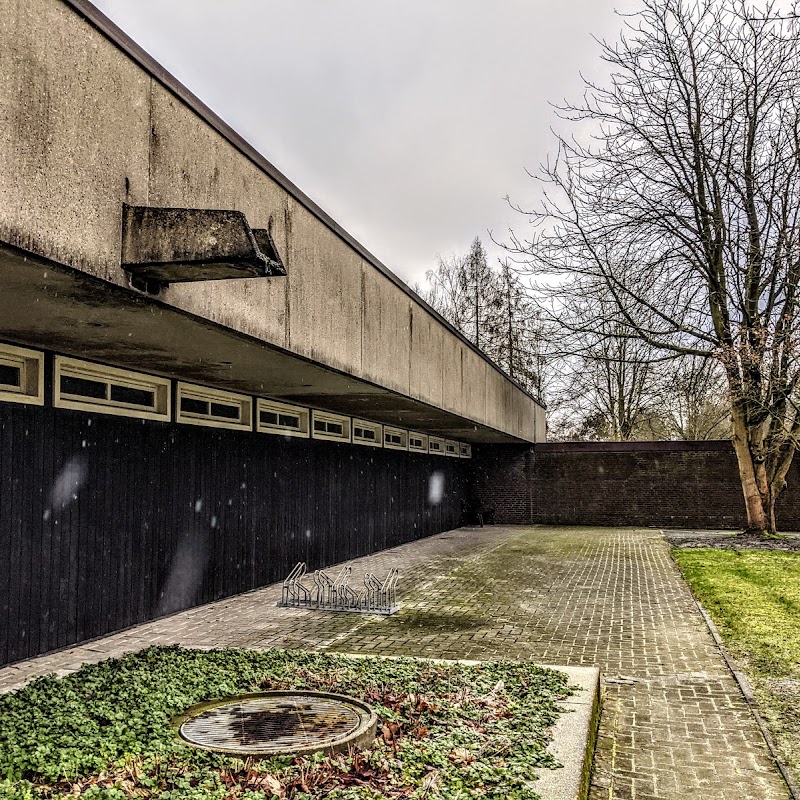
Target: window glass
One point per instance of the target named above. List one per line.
(225, 411)
(132, 396)
(10, 375)
(83, 387)
(191, 405)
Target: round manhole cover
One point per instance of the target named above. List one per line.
(273, 723)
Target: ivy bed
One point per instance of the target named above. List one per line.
(445, 729)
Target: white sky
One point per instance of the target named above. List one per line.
(408, 121)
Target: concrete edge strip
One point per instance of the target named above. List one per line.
(574, 733)
(574, 738)
(743, 683)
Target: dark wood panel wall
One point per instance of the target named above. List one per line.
(109, 521)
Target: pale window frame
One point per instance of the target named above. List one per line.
(327, 417)
(210, 395)
(367, 425)
(451, 448)
(30, 364)
(273, 406)
(436, 445)
(111, 376)
(389, 430)
(464, 450)
(413, 448)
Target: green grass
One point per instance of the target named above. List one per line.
(447, 730)
(753, 596)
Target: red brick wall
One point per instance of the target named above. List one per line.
(660, 484)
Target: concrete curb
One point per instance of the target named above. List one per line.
(744, 687)
(574, 737)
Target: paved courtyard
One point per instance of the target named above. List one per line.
(673, 724)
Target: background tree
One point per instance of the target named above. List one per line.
(483, 297)
(681, 211)
(610, 385)
(446, 290)
(491, 308)
(516, 330)
(694, 400)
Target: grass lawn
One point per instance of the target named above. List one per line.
(446, 730)
(753, 596)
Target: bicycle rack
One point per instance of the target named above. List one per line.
(336, 594)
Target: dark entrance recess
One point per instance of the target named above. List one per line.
(109, 521)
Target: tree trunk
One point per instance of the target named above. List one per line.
(760, 506)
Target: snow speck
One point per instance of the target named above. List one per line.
(69, 482)
(436, 488)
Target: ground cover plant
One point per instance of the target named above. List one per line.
(445, 729)
(753, 596)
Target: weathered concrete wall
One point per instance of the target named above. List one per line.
(649, 484)
(83, 129)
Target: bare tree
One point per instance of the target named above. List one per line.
(610, 384)
(516, 330)
(491, 308)
(681, 210)
(694, 401)
(446, 290)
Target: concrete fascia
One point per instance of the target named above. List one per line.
(134, 51)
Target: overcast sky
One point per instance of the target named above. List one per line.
(408, 121)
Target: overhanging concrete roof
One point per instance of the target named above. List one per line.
(121, 39)
(59, 308)
(93, 127)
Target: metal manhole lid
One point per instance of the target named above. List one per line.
(275, 723)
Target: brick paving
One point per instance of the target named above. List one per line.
(673, 723)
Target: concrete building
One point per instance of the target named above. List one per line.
(203, 378)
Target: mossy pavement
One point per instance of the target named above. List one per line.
(674, 723)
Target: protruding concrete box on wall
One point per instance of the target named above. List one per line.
(175, 245)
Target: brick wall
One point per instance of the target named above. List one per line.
(660, 484)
